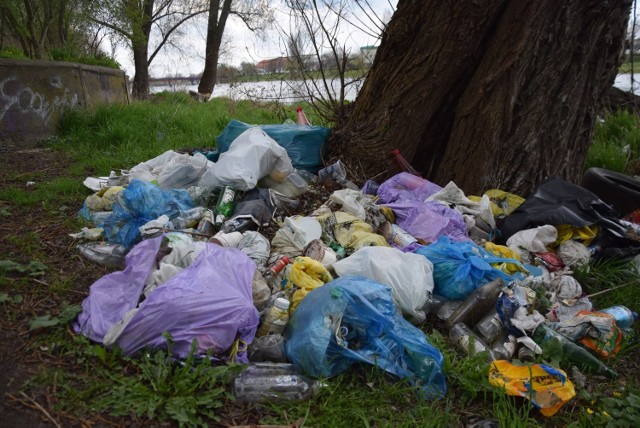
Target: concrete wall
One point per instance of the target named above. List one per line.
(34, 94)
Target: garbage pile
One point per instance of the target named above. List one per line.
(218, 253)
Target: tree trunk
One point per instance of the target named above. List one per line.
(215, 29)
(140, 47)
(488, 94)
(140, 87)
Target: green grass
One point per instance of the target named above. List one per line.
(616, 143)
(119, 137)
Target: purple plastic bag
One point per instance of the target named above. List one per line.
(430, 220)
(406, 187)
(210, 301)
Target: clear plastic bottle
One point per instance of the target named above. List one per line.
(276, 319)
(402, 163)
(624, 316)
(463, 337)
(272, 276)
(104, 253)
(477, 304)
(187, 219)
(261, 382)
(490, 326)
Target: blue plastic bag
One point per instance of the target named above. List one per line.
(304, 144)
(353, 319)
(461, 267)
(139, 203)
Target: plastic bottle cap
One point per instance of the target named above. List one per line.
(395, 152)
(298, 109)
(282, 303)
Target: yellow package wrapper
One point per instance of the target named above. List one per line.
(306, 274)
(547, 387)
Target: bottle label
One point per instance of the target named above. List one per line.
(227, 195)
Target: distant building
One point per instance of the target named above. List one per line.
(368, 54)
(275, 65)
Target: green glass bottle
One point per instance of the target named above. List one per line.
(572, 353)
(224, 206)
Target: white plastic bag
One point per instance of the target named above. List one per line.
(251, 156)
(409, 275)
(172, 170)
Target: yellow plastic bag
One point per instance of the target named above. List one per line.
(349, 231)
(503, 202)
(306, 274)
(506, 252)
(547, 387)
(583, 234)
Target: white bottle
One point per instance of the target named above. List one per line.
(276, 318)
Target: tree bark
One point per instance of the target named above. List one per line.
(488, 94)
(215, 29)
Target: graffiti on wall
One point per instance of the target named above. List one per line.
(22, 99)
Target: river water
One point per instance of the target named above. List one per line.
(287, 91)
(291, 91)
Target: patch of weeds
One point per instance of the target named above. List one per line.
(67, 314)
(33, 268)
(8, 299)
(187, 394)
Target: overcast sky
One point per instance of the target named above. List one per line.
(245, 46)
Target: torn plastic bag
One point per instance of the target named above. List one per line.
(349, 231)
(428, 221)
(461, 267)
(304, 144)
(406, 187)
(209, 301)
(474, 213)
(409, 275)
(353, 320)
(251, 156)
(558, 202)
(171, 170)
(137, 205)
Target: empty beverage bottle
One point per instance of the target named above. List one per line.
(267, 348)
(624, 316)
(224, 206)
(467, 340)
(275, 321)
(205, 225)
(261, 382)
(504, 347)
(525, 354)
(572, 353)
(477, 304)
(402, 163)
(104, 253)
(186, 219)
(272, 276)
(490, 326)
